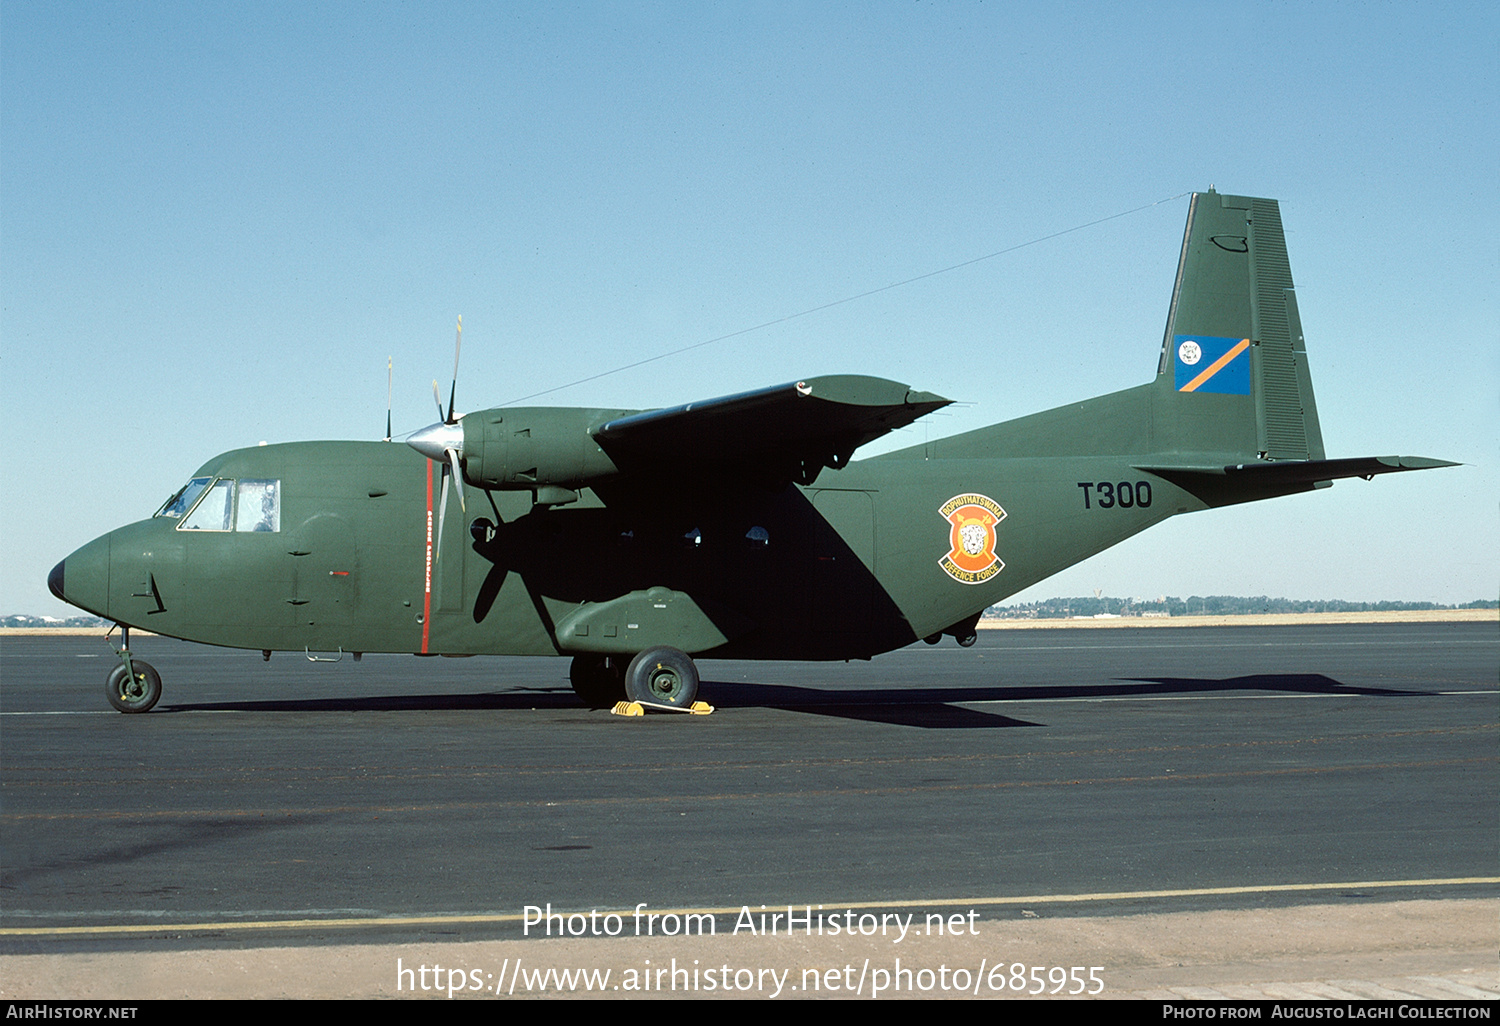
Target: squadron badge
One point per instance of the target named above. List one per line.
(971, 557)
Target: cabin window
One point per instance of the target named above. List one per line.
(214, 511)
(183, 501)
(757, 537)
(257, 506)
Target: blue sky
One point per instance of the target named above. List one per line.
(217, 221)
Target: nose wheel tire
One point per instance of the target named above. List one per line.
(662, 676)
(133, 694)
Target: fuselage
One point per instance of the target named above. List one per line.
(860, 562)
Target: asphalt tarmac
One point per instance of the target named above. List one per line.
(1068, 771)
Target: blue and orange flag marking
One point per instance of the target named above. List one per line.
(1206, 363)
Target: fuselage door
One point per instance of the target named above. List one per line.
(325, 576)
(843, 562)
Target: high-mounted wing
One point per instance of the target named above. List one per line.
(801, 426)
(788, 432)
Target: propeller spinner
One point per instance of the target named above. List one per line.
(444, 442)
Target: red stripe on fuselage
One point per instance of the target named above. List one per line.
(427, 569)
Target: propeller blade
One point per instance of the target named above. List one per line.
(387, 398)
(458, 477)
(437, 397)
(442, 515)
(457, 344)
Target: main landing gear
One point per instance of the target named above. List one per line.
(662, 676)
(134, 686)
(599, 681)
(659, 676)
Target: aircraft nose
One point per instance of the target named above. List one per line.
(83, 578)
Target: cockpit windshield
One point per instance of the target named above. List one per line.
(183, 501)
(207, 504)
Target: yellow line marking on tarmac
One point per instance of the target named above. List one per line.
(497, 918)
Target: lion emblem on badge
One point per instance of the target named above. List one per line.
(971, 557)
(974, 536)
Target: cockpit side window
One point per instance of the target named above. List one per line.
(214, 511)
(183, 501)
(258, 506)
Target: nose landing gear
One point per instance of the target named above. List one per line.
(134, 686)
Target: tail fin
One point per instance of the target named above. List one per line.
(1230, 416)
(1232, 380)
(1233, 375)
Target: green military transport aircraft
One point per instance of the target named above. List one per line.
(637, 542)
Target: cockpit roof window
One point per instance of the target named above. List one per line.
(183, 501)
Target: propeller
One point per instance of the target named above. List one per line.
(458, 342)
(444, 442)
(437, 397)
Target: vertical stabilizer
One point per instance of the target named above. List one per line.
(1233, 375)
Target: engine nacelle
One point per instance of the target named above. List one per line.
(529, 448)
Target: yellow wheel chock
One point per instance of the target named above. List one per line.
(641, 708)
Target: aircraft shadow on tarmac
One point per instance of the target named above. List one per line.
(928, 707)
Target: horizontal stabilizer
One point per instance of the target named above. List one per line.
(807, 424)
(1297, 472)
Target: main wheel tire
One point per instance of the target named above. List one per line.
(662, 676)
(597, 681)
(133, 696)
